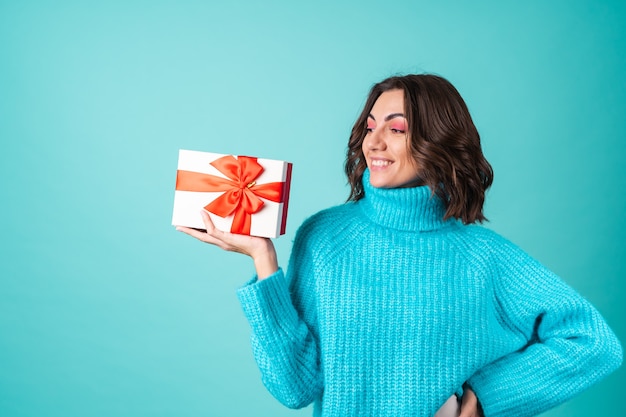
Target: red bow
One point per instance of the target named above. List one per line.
(241, 193)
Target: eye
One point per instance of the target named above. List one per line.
(398, 128)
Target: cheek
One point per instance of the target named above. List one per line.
(402, 152)
(405, 155)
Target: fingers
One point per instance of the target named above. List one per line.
(214, 236)
(260, 249)
(197, 233)
(208, 223)
(469, 404)
(207, 235)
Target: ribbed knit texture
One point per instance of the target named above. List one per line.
(387, 310)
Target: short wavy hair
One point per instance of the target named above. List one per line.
(443, 141)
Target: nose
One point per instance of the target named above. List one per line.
(374, 140)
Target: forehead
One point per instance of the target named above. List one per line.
(391, 101)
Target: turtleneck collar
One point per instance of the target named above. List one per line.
(409, 209)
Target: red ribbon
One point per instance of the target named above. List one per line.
(241, 193)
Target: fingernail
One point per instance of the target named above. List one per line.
(179, 229)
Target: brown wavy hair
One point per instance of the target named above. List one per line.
(444, 143)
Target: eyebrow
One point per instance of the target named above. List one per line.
(388, 117)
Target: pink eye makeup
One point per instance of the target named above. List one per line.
(398, 125)
(371, 125)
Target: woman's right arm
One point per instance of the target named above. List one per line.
(281, 313)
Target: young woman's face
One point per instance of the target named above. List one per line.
(385, 146)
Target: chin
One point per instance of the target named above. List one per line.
(380, 183)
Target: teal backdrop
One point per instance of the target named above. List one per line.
(105, 310)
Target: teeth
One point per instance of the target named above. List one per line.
(379, 163)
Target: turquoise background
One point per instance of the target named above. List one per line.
(105, 310)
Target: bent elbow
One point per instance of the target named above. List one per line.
(296, 403)
(607, 353)
(614, 354)
(295, 394)
(294, 400)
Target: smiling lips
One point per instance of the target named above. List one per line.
(380, 163)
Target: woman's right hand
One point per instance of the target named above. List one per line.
(260, 249)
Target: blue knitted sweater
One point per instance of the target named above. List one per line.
(387, 310)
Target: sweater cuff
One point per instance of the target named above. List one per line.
(493, 398)
(459, 392)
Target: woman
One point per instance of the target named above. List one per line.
(395, 302)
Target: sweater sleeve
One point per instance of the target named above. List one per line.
(569, 345)
(281, 313)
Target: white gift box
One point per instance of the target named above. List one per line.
(244, 195)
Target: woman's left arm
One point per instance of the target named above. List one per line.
(570, 346)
